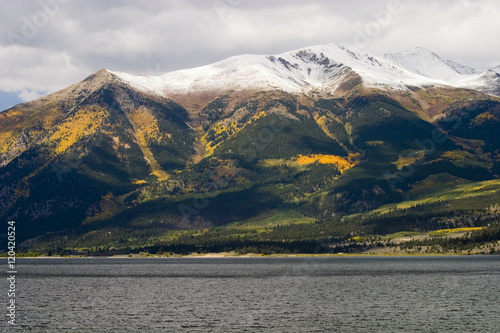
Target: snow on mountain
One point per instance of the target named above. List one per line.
(487, 82)
(320, 67)
(301, 70)
(461, 68)
(427, 63)
(451, 73)
(496, 69)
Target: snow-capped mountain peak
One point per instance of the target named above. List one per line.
(496, 69)
(317, 67)
(427, 63)
(322, 67)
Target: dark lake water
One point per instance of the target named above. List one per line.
(350, 294)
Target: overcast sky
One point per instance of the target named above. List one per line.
(46, 45)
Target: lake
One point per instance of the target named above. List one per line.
(333, 294)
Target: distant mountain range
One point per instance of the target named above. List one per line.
(317, 142)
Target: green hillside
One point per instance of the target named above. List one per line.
(265, 171)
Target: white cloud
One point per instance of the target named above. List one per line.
(461, 30)
(29, 95)
(35, 69)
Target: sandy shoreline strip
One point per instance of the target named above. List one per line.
(254, 255)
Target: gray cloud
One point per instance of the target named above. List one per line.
(69, 39)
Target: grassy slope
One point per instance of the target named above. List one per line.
(476, 189)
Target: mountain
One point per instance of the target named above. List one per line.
(278, 150)
(323, 67)
(299, 71)
(429, 64)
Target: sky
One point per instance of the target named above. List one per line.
(46, 45)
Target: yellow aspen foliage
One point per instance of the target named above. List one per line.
(85, 121)
(341, 163)
(409, 160)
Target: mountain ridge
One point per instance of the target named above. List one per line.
(427, 63)
(291, 71)
(129, 161)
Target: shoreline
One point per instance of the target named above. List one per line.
(254, 255)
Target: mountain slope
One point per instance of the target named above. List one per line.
(104, 142)
(429, 64)
(314, 134)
